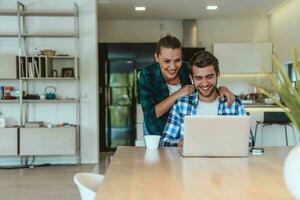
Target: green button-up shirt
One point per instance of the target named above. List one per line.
(152, 90)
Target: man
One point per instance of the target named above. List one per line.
(205, 100)
(162, 83)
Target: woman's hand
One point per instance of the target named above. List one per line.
(185, 91)
(225, 92)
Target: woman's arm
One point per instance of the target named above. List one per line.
(225, 92)
(163, 106)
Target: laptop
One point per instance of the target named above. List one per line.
(216, 136)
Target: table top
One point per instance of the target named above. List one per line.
(138, 173)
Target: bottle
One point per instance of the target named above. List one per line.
(2, 121)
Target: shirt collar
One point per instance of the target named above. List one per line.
(195, 99)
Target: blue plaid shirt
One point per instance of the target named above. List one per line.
(174, 131)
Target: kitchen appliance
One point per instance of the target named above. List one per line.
(119, 64)
(50, 92)
(119, 102)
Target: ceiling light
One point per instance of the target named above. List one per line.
(140, 8)
(211, 7)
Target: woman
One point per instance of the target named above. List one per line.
(161, 84)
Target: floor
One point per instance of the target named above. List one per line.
(46, 183)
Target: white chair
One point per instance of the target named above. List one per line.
(88, 184)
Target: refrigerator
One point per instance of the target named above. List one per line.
(120, 101)
(119, 64)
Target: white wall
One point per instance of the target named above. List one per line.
(89, 80)
(88, 57)
(285, 29)
(137, 30)
(232, 30)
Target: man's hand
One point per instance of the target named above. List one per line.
(180, 143)
(225, 92)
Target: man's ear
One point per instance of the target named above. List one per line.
(191, 78)
(156, 57)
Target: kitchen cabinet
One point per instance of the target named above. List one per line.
(244, 58)
(47, 141)
(8, 141)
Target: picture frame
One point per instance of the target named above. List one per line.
(67, 72)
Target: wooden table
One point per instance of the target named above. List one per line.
(137, 173)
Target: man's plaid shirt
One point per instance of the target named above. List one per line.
(187, 105)
(152, 90)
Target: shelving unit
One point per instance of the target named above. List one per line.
(43, 141)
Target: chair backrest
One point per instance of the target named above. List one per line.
(88, 184)
(276, 118)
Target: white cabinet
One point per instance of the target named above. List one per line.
(8, 141)
(47, 141)
(244, 57)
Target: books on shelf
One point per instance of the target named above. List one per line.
(36, 70)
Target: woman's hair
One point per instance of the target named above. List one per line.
(167, 41)
(203, 59)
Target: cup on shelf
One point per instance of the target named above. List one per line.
(42, 97)
(152, 141)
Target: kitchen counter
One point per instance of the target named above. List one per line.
(262, 107)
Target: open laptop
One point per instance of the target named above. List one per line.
(216, 136)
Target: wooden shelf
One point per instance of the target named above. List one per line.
(8, 13)
(43, 35)
(61, 57)
(48, 35)
(50, 78)
(38, 14)
(48, 14)
(9, 79)
(51, 101)
(8, 35)
(10, 101)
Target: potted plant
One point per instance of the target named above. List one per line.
(290, 102)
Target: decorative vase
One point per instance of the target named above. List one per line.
(292, 172)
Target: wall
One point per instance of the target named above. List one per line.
(285, 29)
(89, 80)
(88, 57)
(232, 30)
(137, 30)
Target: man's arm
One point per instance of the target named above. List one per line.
(241, 109)
(171, 134)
